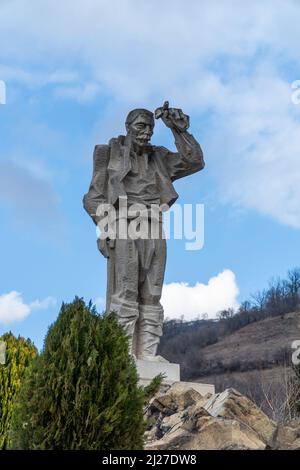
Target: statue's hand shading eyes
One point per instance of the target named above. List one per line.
(173, 118)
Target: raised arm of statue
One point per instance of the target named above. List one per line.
(189, 157)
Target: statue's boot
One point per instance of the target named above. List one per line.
(127, 318)
(149, 331)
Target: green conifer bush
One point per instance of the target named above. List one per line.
(82, 391)
(18, 356)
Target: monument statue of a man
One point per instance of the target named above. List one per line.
(130, 167)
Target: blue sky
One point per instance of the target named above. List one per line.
(73, 70)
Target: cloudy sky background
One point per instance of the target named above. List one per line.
(73, 70)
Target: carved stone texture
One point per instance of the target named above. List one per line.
(130, 168)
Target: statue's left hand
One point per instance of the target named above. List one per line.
(103, 246)
(175, 119)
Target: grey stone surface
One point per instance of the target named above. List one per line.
(149, 369)
(232, 404)
(130, 167)
(183, 419)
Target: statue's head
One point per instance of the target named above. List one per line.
(140, 125)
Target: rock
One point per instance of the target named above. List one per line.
(188, 398)
(215, 434)
(186, 420)
(164, 404)
(172, 441)
(203, 389)
(285, 437)
(295, 424)
(172, 402)
(233, 405)
(194, 418)
(171, 423)
(295, 445)
(152, 434)
(225, 434)
(288, 436)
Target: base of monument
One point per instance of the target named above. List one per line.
(147, 370)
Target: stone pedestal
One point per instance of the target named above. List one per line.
(147, 370)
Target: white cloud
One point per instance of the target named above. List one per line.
(221, 291)
(14, 309)
(138, 49)
(256, 149)
(228, 58)
(37, 78)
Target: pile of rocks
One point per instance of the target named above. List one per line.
(182, 419)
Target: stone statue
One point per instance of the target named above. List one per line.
(130, 167)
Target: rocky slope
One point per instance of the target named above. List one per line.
(182, 419)
(261, 345)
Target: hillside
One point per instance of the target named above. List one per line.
(255, 359)
(262, 344)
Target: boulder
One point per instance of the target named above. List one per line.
(171, 423)
(194, 418)
(151, 434)
(231, 404)
(176, 440)
(205, 390)
(164, 404)
(172, 401)
(183, 419)
(188, 398)
(225, 434)
(288, 436)
(215, 434)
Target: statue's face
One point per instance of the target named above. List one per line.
(141, 129)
